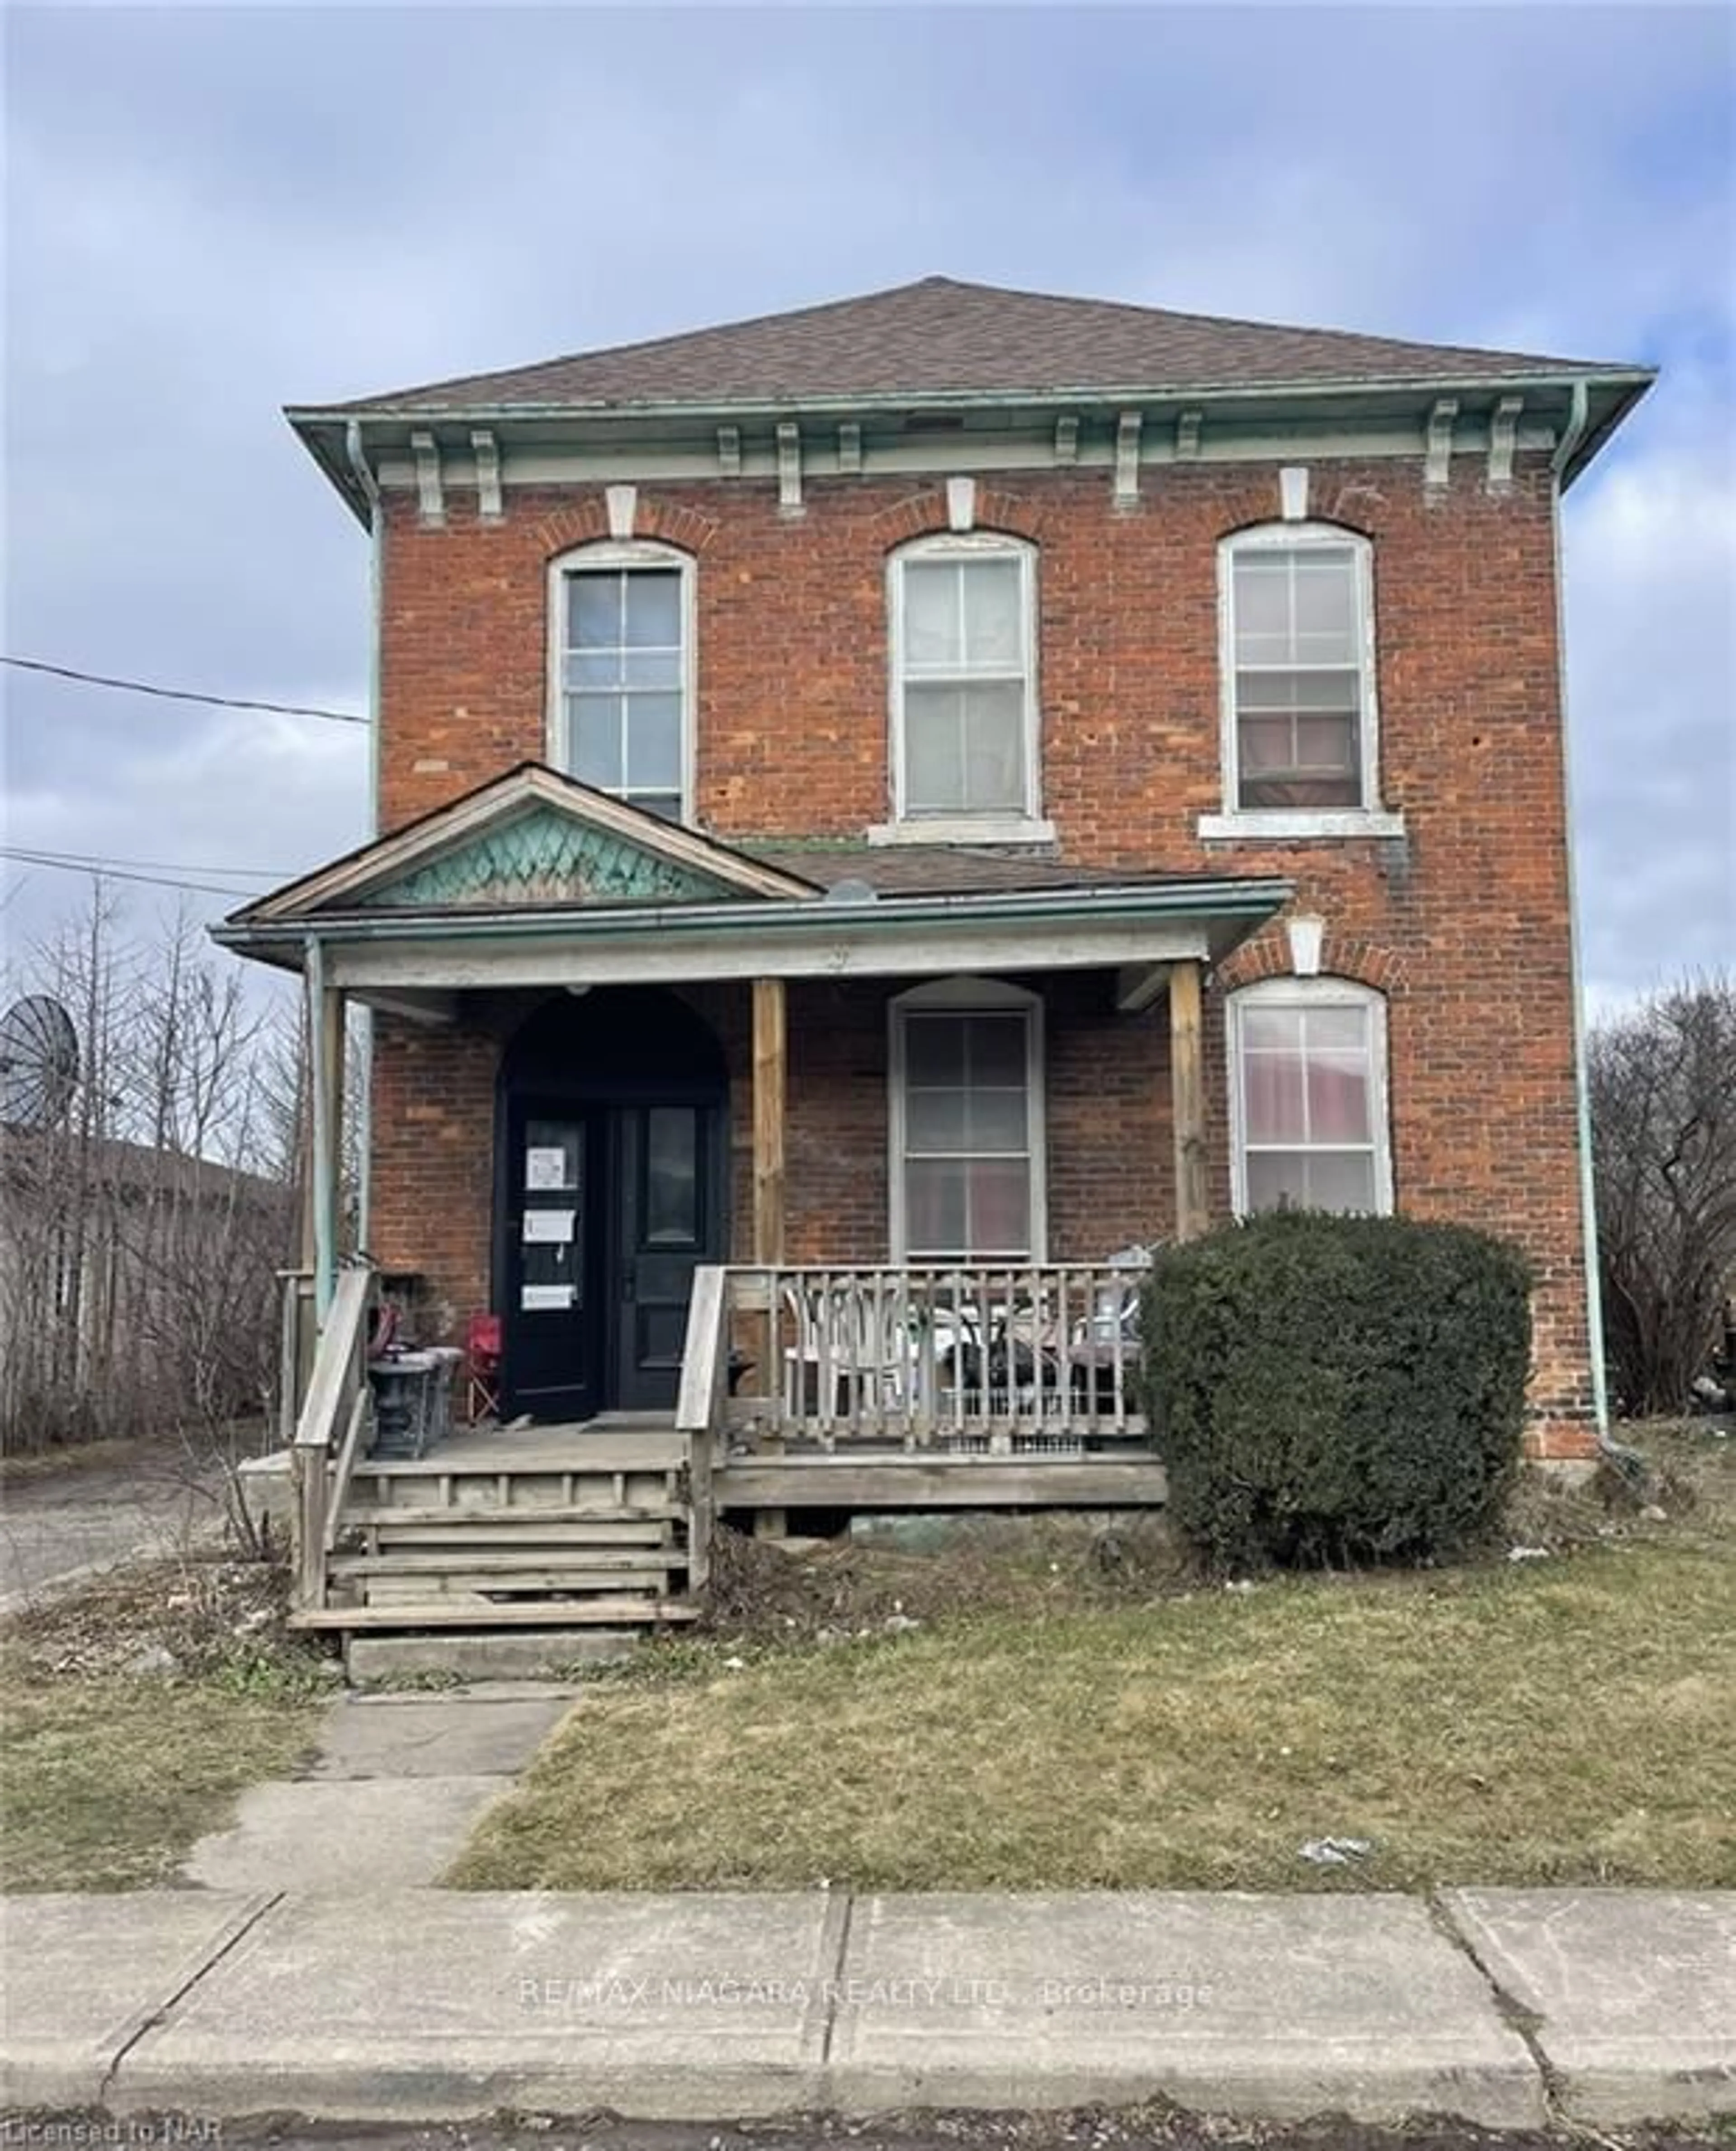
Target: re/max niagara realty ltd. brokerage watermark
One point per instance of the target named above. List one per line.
(562, 1994)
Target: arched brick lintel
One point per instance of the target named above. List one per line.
(924, 515)
(1342, 956)
(586, 521)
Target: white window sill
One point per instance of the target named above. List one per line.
(1288, 824)
(964, 829)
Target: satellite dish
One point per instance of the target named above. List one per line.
(38, 1062)
(851, 890)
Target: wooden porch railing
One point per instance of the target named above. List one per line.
(700, 1411)
(980, 1357)
(333, 1417)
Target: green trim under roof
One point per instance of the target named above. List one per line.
(1244, 903)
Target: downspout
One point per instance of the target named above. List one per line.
(365, 1029)
(1624, 1459)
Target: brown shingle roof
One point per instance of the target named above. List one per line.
(940, 336)
(935, 869)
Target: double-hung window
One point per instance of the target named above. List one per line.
(967, 1112)
(1300, 719)
(964, 682)
(622, 652)
(1307, 1097)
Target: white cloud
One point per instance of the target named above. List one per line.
(211, 217)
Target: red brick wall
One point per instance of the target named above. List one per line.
(1464, 923)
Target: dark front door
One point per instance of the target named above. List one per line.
(556, 1327)
(666, 1225)
(612, 1191)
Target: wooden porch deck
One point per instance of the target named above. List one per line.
(879, 1389)
(869, 1474)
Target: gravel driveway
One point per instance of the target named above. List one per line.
(57, 1524)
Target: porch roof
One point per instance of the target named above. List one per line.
(534, 880)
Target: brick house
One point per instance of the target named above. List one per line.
(953, 777)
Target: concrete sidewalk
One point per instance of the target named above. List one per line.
(1503, 2007)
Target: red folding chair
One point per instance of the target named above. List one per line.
(482, 1361)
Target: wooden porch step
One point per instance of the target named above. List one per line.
(490, 1515)
(603, 1561)
(572, 1542)
(597, 1612)
(555, 1587)
(483, 1456)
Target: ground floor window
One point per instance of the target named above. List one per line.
(1307, 1097)
(966, 1115)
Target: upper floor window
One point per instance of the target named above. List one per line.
(1297, 665)
(1307, 1097)
(964, 682)
(967, 1122)
(622, 661)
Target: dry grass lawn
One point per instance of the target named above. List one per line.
(1568, 1719)
(108, 1775)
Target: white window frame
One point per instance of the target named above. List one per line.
(610, 556)
(968, 996)
(1311, 993)
(1369, 818)
(1023, 824)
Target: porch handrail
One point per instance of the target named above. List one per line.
(337, 1398)
(977, 1356)
(701, 1407)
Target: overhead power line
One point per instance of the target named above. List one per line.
(49, 854)
(112, 870)
(181, 694)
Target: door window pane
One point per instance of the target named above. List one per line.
(671, 1176)
(551, 1156)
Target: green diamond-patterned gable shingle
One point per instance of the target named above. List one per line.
(545, 856)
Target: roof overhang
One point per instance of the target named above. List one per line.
(650, 428)
(927, 936)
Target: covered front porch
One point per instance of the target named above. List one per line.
(841, 1176)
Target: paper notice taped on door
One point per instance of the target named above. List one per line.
(544, 1225)
(545, 1168)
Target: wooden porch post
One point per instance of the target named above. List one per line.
(1188, 1098)
(769, 1054)
(325, 1038)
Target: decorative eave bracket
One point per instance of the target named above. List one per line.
(789, 467)
(430, 489)
(729, 451)
(1438, 455)
(490, 505)
(1126, 459)
(1503, 438)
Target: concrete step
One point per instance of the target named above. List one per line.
(480, 1653)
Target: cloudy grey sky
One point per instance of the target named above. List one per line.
(214, 211)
